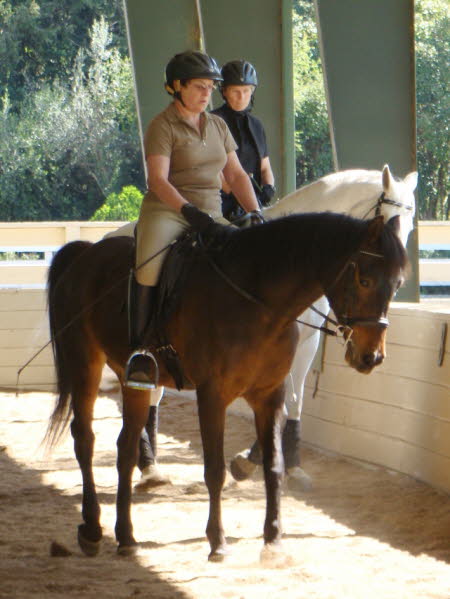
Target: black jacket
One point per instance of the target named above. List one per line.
(248, 133)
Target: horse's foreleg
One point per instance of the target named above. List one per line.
(135, 412)
(212, 423)
(268, 416)
(84, 395)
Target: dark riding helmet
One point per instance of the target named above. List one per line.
(190, 65)
(238, 72)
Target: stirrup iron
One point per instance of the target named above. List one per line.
(141, 385)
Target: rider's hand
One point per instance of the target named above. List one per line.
(249, 219)
(267, 193)
(256, 218)
(199, 220)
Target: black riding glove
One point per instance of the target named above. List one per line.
(249, 219)
(200, 221)
(267, 193)
(256, 218)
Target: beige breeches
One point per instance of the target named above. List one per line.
(158, 226)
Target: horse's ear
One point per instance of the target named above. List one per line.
(411, 180)
(386, 178)
(394, 224)
(374, 229)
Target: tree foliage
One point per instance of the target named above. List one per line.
(121, 206)
(74, 141)
(433, 103)
(40, 41)
(312, 137)
(433, 107)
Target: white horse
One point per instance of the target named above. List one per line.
(361, 194)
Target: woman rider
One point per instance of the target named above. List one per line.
(186, 150)
(237, 88)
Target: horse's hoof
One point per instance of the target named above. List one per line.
(241, 467)
(274, 556)
(127, 550)
(298, 481)
(151, 477)
(219, 555)
(89, 548)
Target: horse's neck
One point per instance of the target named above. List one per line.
(356, 198)
(289, 269)
(353, 192)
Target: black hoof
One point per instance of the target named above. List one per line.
(127, 550)
(89, 548)
(219, 555)
(241, 467)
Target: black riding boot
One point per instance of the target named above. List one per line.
(148, 440)
(291, 444)
(255, 455)
(297, 479)
(151, 474)
(141, 370)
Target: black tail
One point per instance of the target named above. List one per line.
(60, 319)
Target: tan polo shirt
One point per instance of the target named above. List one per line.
(196, 160)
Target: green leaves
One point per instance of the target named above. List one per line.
(121, 206)
(75, 140)
(312, 137)
(433, 107)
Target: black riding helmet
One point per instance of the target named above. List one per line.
(238, 72)
(190, 65)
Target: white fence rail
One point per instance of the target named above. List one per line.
(26, 249)
(20, 242)
(433, 236)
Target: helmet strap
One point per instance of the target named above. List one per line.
(177, 96)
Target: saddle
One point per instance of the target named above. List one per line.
(169, 291)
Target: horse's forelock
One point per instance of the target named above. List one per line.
(393, 249)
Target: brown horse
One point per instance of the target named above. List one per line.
(235, 334)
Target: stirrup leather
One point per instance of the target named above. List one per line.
(142, 385)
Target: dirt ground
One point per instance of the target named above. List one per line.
(361, 533)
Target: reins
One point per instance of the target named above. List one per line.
(342, 325)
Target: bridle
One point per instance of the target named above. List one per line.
(344, 324)
(384, 200)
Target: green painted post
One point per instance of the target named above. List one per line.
(367, 49)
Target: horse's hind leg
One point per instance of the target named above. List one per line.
(84, 394)
(135, 412)
(212, 423)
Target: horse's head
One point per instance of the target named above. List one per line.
(361, 296)
(398, 198)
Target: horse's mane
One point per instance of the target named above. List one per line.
(294, 239)
(306, 241)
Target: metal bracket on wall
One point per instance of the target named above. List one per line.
(443, 343)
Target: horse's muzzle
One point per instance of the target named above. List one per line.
(363, 362)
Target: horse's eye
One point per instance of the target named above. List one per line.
(364, 282)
